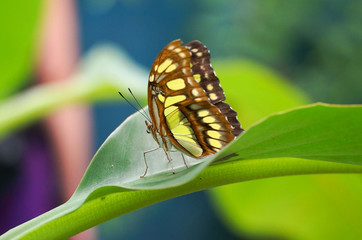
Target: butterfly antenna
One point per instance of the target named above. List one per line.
(145, 116)
(137, 101)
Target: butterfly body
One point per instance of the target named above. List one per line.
(186, 105)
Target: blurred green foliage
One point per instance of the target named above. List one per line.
(19, 22)
(316, 43)
(298, 207)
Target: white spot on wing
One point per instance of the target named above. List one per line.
(212, 96)
(152, 77)
(195, 92)
(181, 54)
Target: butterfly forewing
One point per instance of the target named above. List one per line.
(182, 111)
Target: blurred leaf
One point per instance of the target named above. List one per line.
(255, 91)
(119, 162)
(294, 207)
(102, 73)
(299, 207)
(19, 22)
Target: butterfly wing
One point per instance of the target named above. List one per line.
(180, 107)
(205, 75)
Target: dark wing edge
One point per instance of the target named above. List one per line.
(200, 60)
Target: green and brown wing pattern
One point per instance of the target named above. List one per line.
(183, 109)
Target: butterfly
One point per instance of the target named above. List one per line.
(185, 102)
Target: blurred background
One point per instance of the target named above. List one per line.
(278, 54)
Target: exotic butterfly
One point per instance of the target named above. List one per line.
(185, 102)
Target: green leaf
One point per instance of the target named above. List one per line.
(119, 162)
(307, 132)
(319, 132)
(19, 22)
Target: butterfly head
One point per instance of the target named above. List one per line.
(155, 134)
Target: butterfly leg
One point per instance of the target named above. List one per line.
(144, 156)
(183, 157)
(170, 160)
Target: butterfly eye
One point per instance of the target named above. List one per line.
(148, 131)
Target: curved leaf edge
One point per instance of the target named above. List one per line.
(218, 158)
(139, 184)
(221, 154)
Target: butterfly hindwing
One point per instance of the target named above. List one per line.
(201, 68)
(203, 71)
